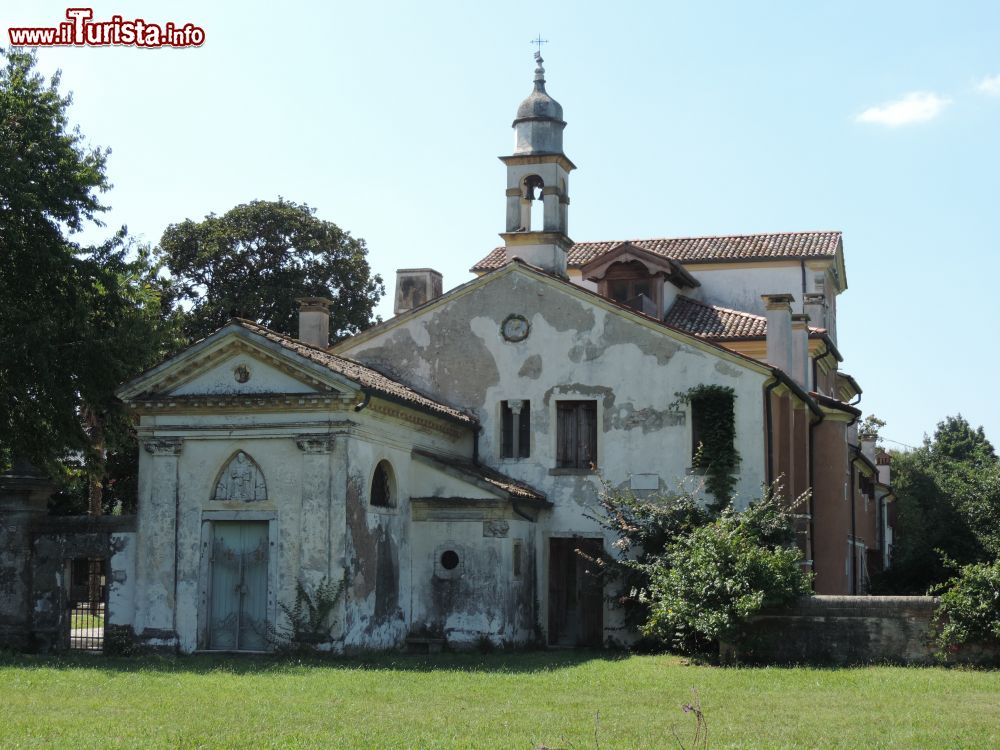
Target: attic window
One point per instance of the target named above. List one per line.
(632, 284)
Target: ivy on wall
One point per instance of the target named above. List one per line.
(714, 428)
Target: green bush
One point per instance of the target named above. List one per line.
(710, 580)
(969, 610)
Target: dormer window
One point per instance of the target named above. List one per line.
(634, 276)
(632, 285)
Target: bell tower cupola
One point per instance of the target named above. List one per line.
(538, 182)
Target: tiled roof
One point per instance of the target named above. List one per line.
(514, 488)
(364, 376)
(730, 248)
(708, 321)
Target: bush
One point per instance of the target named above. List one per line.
(970, 606)
(710, 580)
(643, 528)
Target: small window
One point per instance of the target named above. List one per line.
(516, 557)
(382, 494)
(516, 429)
(576, 435)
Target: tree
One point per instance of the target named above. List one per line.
(257, 258)
(947, 507)
(75, 322)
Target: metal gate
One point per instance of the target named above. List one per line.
(87, 601)
(237, 618)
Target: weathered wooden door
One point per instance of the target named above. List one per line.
(238, 605)
(576, 593)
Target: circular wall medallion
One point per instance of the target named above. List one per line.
(515, 328)
(241, 373)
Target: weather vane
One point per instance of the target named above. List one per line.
(539, 41)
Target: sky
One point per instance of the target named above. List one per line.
(880, 120)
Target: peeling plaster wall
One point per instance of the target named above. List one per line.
(575, 350)
(121, 579)
(377, 602)
(482, 596)
(317, 509)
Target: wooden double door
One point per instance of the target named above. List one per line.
(237, 617)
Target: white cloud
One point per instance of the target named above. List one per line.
(918, 106)
(990, 85)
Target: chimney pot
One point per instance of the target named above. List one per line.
(314, 321)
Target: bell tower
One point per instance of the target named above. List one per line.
(538, 170)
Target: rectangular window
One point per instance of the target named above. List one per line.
(515, 429)
(706, 409)
(516, 553)
(576, 435)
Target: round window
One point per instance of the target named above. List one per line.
(449, 559)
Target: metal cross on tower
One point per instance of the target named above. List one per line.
(539, 41)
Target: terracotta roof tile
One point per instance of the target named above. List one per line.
(722, 249)
(511, 486)
(711, 322)
(361, 374)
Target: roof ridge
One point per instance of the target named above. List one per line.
(713, 236)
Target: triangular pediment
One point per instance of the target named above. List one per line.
(235, 362)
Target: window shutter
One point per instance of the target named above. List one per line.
(524, 432)
(507, 431)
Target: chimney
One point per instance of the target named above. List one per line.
(884, 462)
(779, 330)
(868, 447)
(801, 370)
(314, 321)
(814, 305)
(414, 287)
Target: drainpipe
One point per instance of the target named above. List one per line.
(854, 546)
(475, 445)
(768, 427)
(364, 403)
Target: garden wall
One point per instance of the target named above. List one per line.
(841, 630)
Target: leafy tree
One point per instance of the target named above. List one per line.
(75, 321)
(257, 258)
(947, 507)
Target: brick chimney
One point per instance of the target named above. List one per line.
(801, 370)
(779, 330)
(314, 321)
(414, 287)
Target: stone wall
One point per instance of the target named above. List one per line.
(841, 630)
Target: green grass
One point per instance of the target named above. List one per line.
(494, 701)
(86, 620)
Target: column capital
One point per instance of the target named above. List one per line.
(515, 405)
(322, 443)
(164, 446)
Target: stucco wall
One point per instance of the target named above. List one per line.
(575, 350)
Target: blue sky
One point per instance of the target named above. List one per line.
(876, 119)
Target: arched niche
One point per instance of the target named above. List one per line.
(240, 480)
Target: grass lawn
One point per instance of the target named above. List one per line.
(86, 620)
(493, 701)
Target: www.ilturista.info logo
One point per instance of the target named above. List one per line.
(81, 31)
